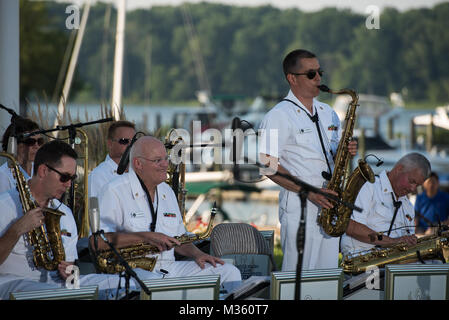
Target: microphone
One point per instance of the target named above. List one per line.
(94, 215)
(12, 145)
(124, 160)
(234, 126)
(237, 144)
(94, 221)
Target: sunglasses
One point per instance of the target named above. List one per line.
(63, 177)
(310, 74)
(122, 141)
(31, 141)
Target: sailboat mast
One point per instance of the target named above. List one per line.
(72, 65)
(116, 102)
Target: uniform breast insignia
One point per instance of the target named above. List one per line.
(332, 128)
(137, 214)
(64, 232)
(169, 214)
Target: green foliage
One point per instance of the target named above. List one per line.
(242, 50)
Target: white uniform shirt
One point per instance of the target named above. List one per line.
(124, 207)
(20, 261)
(102, 175)
(378, 210)
(298, 145)
(7, 180)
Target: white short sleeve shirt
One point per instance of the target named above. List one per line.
(288, 133)
(7, 180)
(102, 175)
(20, 261)
(377, 214)
(124, 207)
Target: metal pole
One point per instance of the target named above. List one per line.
(116, 102)
(73, 61)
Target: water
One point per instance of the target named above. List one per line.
(144, 117)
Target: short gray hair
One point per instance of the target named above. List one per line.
(416, 160)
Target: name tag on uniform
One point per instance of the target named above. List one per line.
(170, 215)
(64, 232)
(137, 214)
(305, 130)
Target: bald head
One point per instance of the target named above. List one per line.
(143, 147)
(148, 159)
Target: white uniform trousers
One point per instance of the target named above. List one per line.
(320, 250)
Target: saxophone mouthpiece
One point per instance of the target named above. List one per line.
(324, 88)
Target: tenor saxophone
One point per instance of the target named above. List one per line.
(48, 250)
(428, 247)
(334, 221)
(137, 256)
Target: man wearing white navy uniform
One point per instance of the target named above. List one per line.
(388, 215)
(55, 167)
(26, 151)
(120, 134)
(300, 136)
(139, 206)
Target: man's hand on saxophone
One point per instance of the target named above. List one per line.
(161, 241)
(352, 147)
(33, 219)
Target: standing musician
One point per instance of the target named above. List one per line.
(54, 169)
(120, 134)
(26, 151)
(291, 141)
(388, 215)
(139, 206)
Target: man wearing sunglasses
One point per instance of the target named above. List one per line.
(26, 151)
(140, 207)
(54, 169)
(120, 134)
(300, 136)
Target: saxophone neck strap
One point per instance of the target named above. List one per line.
(397, 205)
(150, 202)
(315, 119)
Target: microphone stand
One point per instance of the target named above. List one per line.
(71, 128)
(129, 272)
(301, 234)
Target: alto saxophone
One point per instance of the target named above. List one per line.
(48, 250)
(137, 255)
(334, 221)
(428, 247)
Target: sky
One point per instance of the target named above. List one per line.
(360, 6)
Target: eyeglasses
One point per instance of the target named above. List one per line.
(63, 177)
(310, 74)
(155, 161)
(31, 141)
(122, 141)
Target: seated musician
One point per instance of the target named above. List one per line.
(54, 169)
(139, 206)
(26, 151)
(120, 134)
(388, 216)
